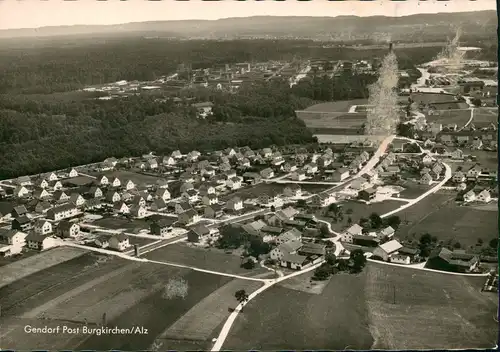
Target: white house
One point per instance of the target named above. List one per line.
(233, 183)
(77, 199)
(115, 182)
(152, 164)
(62, 212)
(52, 177)
(73, 173)
(299, 175)
(484, 196)
(387, 249)
(234, 204)
(427, 159)
(323, 199)
(354, 230)
(122, 208)
(459, 177)
(283, 249)
(13, 237)
(168, 160)
(129, 185)
(119, 242)
(292, 190)
(103, 180)
(138, 211)
(43, 227)
(426, 179)
(210, 199)
(163, 193)
(39, 242)
(469, 196)
(21, 191)
(340, 174)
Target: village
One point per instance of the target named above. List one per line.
(285, 199)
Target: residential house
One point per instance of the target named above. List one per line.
(121, 207)
(186, 186)
(95, 192)
(290, 235)
(193, 155)
(279, 252)
(461, 187)
(188, 217)
(182, 207)
(5, 211)
(102, 241)
(176, 154)
(139, 201)
(354, 230)
(51, 177)
(254, 228)
(234, 204)
(63, 211)
(427, 160)
(387, 249)
(22, 223)
(73, 173)
(366, 240)
(163, 194)
(21, 191)
(268, 198)
(138, 211)
(234, 183)
(213, 211)
(455, 261)
(370, 177)
(54, 185)
(426, 179)
(476, 144)
(210, 199)
(294, 261)
(113, 196)
(368, 194)
(103, 180)
(115, 182)
(19, 210)
(208, 171)
(251, 177)
(311, 168)
(289, 166)
(323, 199)
(112, 161)
(312, 249)
(191, 196)
(42, 227)
(358, 184)
(129, 185)
(340, 175)
(469, 196)
(293, 190)
(457, 154)
(281, 216)
(23, 181)
(152, 164)
(298, 175)
(168, 160)
(39, 242)
(266, 152)
(459, 177)
(387, 232)
(92, 204)
(267, 173)
(60, 196)
(119, 242)
(13, 237)
(41, 194)
(200, 233)
(67, 229)
(41, 183)
(269, 233)
(42, 207)
(158, 205)
(484, 196)
(474, 172)
(162, 227)
(77, 199)
(206, 189)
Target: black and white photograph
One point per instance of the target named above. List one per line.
(248, 175)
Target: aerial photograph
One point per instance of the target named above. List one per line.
(258, 175)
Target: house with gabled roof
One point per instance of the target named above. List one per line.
(112, 196)
(66, 229)
(266, 152)
(93, 203)
(459, 177)
(283, 249)
(469, 196)
(191, 195)
(162, 227)
(298, 175)
(138, 211)
(290, 235)
(42, 227)
(41, 183)
(21, 191)
(234, 204)
(210, 199)
(234, 183)
(129, 185)
(95, 192)
(182, 207)
(41, 193)
(63, 211)
(188, 217)
(23, 181)
(115, 182)
(152, 164)
(13, 237)
(292, 190)
(22, 223)
(426, 179)
(213, 211)
(19, 210)
(42, 207)
(77, 199)
(323, 199)
(176, 154)
(484, 196)
(102, 180)
(119, 242)
(474, 171)
(163, 194)
(60, 196)
(354, 230)
(39, 242)
(121, 207)
(388, 249)
(340, 174)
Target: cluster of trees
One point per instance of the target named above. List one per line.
(354, 264)
(233, 237)
(375, 222)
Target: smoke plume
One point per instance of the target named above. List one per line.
(383, 117)
(451, 56)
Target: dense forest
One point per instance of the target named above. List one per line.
(46, 124)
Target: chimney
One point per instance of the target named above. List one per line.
(390, 46)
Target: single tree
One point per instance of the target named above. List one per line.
(375, 221)
(349, 221)
(323, 230)
(494, 243)
(358, 259)
(330, 259)
(242, 297)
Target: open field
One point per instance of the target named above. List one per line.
(484, 117)
(32, 264)
(130, 293)
(286, 319)
(359, 312)
(252, 192)
(200, 324)
(484, 158)
(342, 139)
(428, 98)
(26, 253)
(79, 180)
(459, 117)
(337, 120)
(439, 215)
(116, 223)
(181, 253)
(406, 305)
(362, 210)
(337, 106)
(412, 189)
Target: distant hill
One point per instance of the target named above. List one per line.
(412, 27)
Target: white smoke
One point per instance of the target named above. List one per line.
(383, 117)
(451, 55)
(175, 288)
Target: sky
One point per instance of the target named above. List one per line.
(40, 13)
